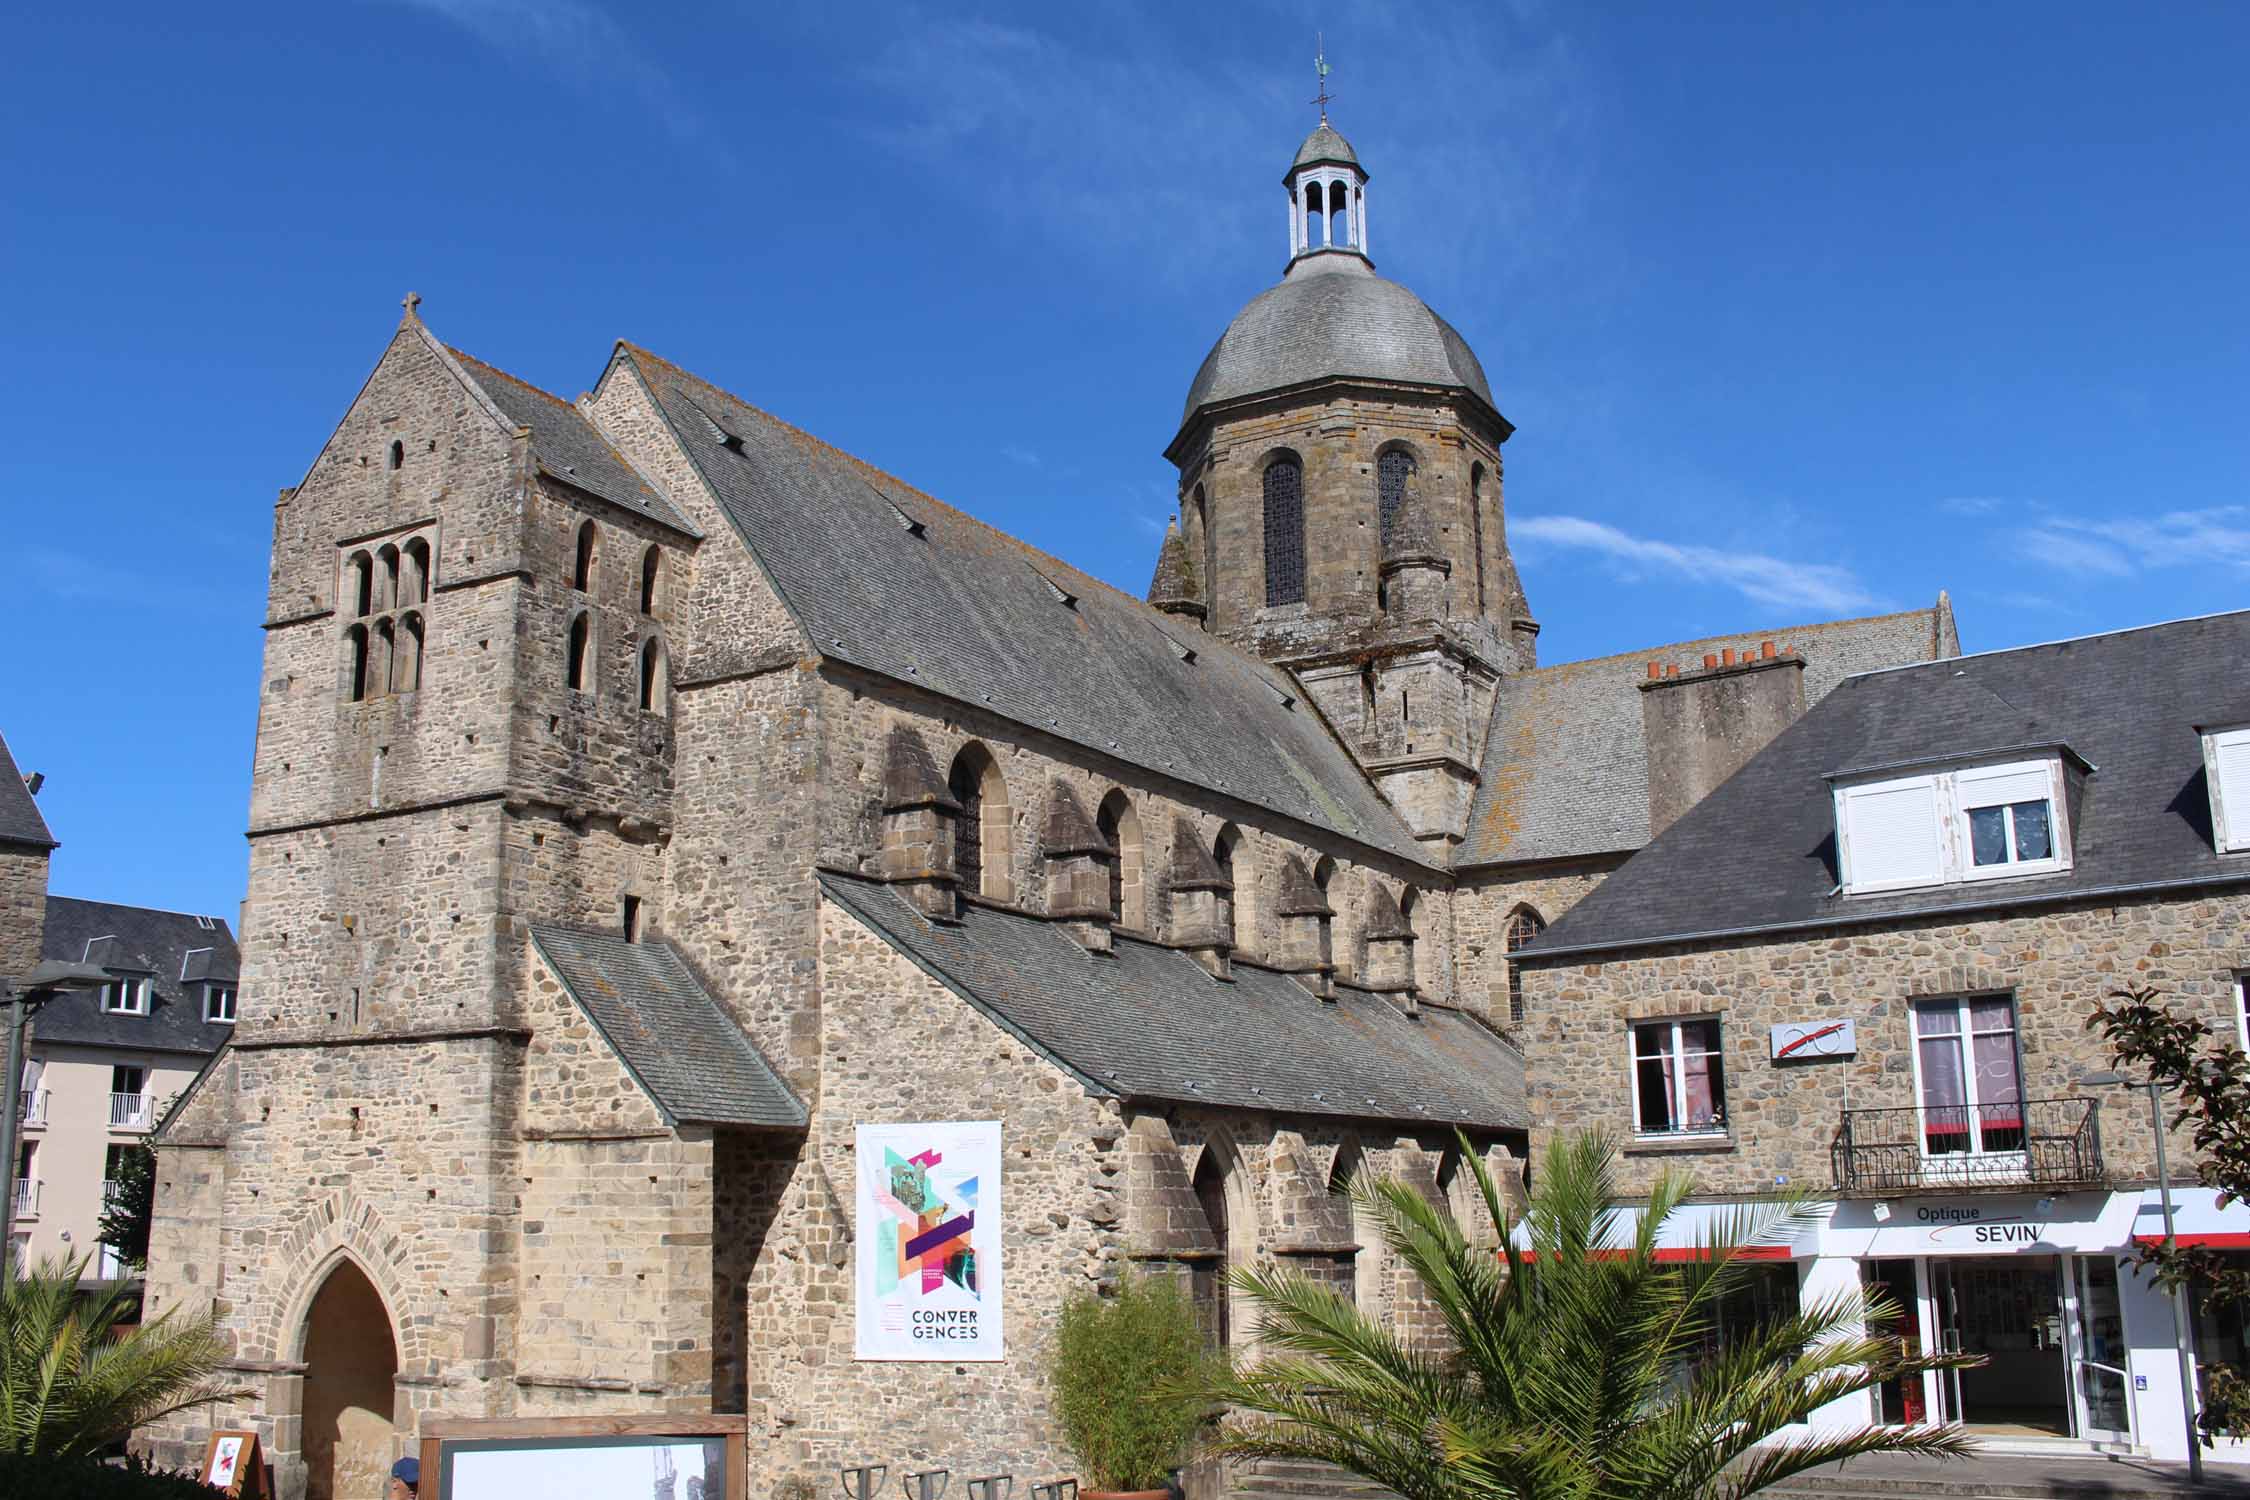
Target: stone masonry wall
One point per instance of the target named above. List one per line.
(898, 1045)
(1482, 904)
(23, 908)
(2056, 963)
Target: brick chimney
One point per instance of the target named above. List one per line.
(1703, 724)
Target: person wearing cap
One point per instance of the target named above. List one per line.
(406, 1479)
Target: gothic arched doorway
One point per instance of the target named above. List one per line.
(1212, 1294)
(351, 1360)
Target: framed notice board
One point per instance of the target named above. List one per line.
(670, 1457)
(233, 1466)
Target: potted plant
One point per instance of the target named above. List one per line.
(1118, 1359)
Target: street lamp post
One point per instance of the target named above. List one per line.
(24, 997)
(2180, 1331)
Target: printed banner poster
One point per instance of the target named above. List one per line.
(928, 1279)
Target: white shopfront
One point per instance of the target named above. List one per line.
(2079, 1343)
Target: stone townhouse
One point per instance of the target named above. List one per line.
(648, 795)
(1862, 968)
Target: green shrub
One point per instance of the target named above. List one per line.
(26, 1477)
(1117, 1358)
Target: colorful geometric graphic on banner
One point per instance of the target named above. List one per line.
(929, 1241)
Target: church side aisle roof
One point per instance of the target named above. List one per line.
(1147, 1022)
(1565, 765)
(664, 1025)
(884, 577)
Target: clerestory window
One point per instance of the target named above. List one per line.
(1285, 531)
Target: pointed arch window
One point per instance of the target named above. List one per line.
(1524, 924)
(406, 671)
(980, 829)
(656, 673)
(383, 664)
(387, 597)
(1210, 1278)
(582, 567)
(1476, 526)
(414, 581)
(1393, 468)
(359, 581)
(1120, 826)
(398, 454)
(355, 662)
(580, 662)
(1222, 855)
(652, 578)
(1324, 876)
(1285, 530)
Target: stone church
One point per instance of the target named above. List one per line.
(646, 793)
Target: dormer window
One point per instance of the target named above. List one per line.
(125, 995)
(218, 1003)
(2226, 765)
(1947, 826)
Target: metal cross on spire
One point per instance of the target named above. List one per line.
(1320, 66)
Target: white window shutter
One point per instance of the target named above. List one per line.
(1891, 834)
(2230, 763)
(2004, 784)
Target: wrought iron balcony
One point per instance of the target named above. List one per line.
(27, 1198)
(1937, 1148)
(34, 1107)
(130, 1111)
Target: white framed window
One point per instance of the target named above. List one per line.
(218, 1003)
(1943, 827)
(1679, 1078)
(2242, 1011)
(1968, 1078)
(125, 996)
(2226, 766)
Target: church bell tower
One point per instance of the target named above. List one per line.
(1341, 511)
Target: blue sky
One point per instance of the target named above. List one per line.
(1800, 310)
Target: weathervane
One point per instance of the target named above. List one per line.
(1320, 65)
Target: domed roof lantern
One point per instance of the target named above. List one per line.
(1327, 189)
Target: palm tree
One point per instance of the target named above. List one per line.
(1577, 1366)
(72, 1385)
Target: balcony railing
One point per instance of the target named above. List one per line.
(34, 1107)
(129, 1111)
(1932, 1148)
(27, 1197)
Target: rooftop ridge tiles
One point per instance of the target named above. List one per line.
(2066, 640)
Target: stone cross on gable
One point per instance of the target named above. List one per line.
(411, 302)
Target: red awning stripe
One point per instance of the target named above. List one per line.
(1675, 1254)
(2229, 1240)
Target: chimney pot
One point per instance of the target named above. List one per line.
(1726, 657)
(1673, 670)
(1765, 651)
(1710, 661)
(1655, 670)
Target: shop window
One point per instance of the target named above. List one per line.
(1679, 1078)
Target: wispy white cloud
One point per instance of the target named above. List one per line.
(1153, 522)
(1972, 505)
(2121, 548)
(577, 38)
(1019, 455)
(1768, 580)
(1131, 140)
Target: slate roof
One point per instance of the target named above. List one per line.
(1323, 145)
(1565, 764)
(1147, 1022)
(1760, 852)
(1333, 316)
(569, 448)
(20, 822)
(138, 940)
(969, 612)
(670, 1033)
